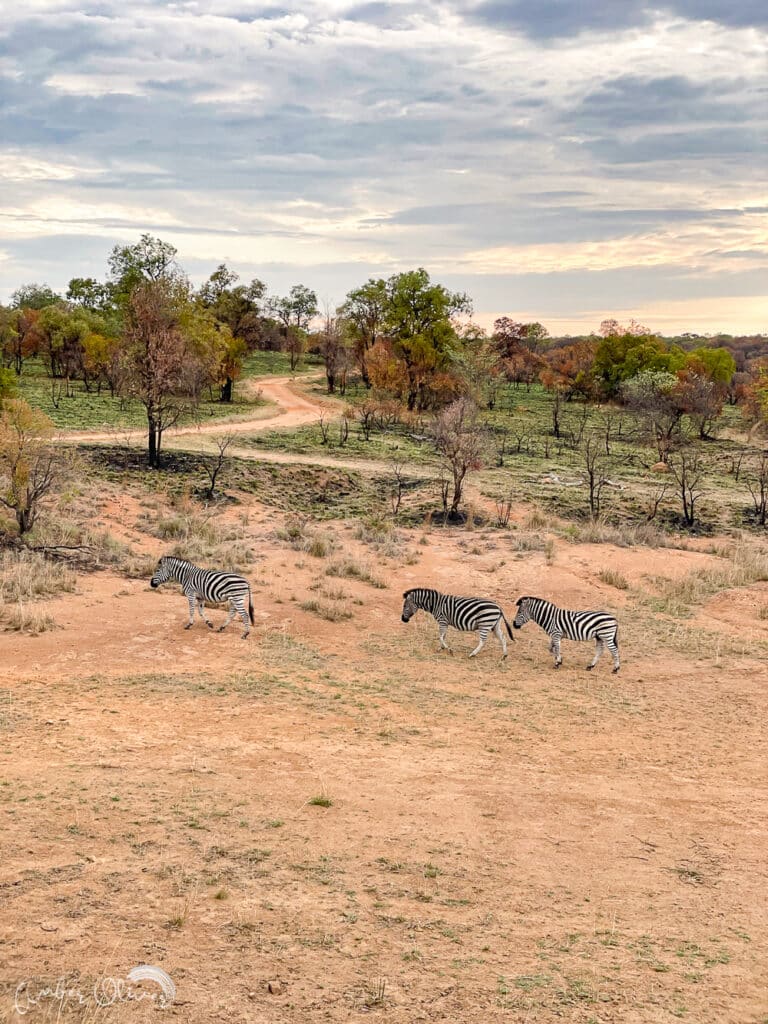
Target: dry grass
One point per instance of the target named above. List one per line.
(28, 575)
(349, 568)
(677, 597)
(613, 579)
(23, 618)
(302, 536)
(627, 535)
(330, 612)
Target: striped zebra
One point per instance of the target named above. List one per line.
(559, 623)
(469, 614)
(201, 585)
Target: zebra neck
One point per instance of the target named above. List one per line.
(543, 614)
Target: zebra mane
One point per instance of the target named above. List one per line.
(527, 598)
(420, 590)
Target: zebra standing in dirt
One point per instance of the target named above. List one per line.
(201, 585)
(559, 623)
(469, 614)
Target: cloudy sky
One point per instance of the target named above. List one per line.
(559, 160)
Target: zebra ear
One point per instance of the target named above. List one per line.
(519, 601)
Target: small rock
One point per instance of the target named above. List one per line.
(275, 988)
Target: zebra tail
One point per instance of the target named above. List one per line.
(509, 629)
(250, 608)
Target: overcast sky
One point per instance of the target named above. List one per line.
(560, 161)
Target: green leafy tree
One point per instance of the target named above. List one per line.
(419, 320)
(237, 308)
(295, 312)
(364, 310)
(620, 357)
(34, 296)
(93, 295)
(149, 259)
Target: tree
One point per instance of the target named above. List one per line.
(7, 385)
(91, 294)
(687, 469)
(509, 336)
(652, 395)
(568, 369)
(459, 440)
(419, 322)
(237, 311)
(27, 465)
(295, 311)
(149, 259)
(213, 464)
(364, 309)
(595, 462)
(757, 484)
(619, 357)
(335, 353)
(167, 356)
(34, 296)
(477, 361)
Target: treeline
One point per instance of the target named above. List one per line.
(146, 333)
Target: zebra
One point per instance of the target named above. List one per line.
(560, 623)
(201, 585)
(469, 614)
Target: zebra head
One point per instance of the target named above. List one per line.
(163, 572)
(409, 606)
(523, 612)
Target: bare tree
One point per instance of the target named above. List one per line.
(213, 464)
(655, 498)
(459, 440)
(397, 486)
(162, 367)
(325, 428)
(335, 353)
(366, 414)
(595, 463)
(757, 483)
(688, 469)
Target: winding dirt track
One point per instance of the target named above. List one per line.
(293, 409)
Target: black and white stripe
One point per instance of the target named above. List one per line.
(469, 614)
(558, 622)
(201, 585)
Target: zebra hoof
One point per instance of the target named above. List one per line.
(557, 666)
(188, 626)
(244, 636)
(616, 670)
(590, 667)
(209, 625)
(220, 629)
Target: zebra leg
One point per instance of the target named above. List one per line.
(244, 617)
(502, 639)
(555, 648)
(443, 630)
(599, 648)
(613, 647)
(201, 609)
(483, 637)
(232, 610)
(192, 602)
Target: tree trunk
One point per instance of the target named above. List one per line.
(154, 452)
(226, 390)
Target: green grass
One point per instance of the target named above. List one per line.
(278, 364)
(393, 444)
(91, 411)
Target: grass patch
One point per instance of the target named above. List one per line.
(678, 597)
(613, 579)
(322, 800)
(28, 575)
(330, 612)
(349, 568)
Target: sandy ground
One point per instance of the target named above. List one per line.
(502, 842)
(288, 408)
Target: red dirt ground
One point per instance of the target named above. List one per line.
(503, 842)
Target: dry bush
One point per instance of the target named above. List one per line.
(624, 536)
(613, 579)
(348, 568)
(747, 566)
(330, 612)
(27, 575)
(24, 618)
(206, 539)
(381, 535)
(301, 536)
